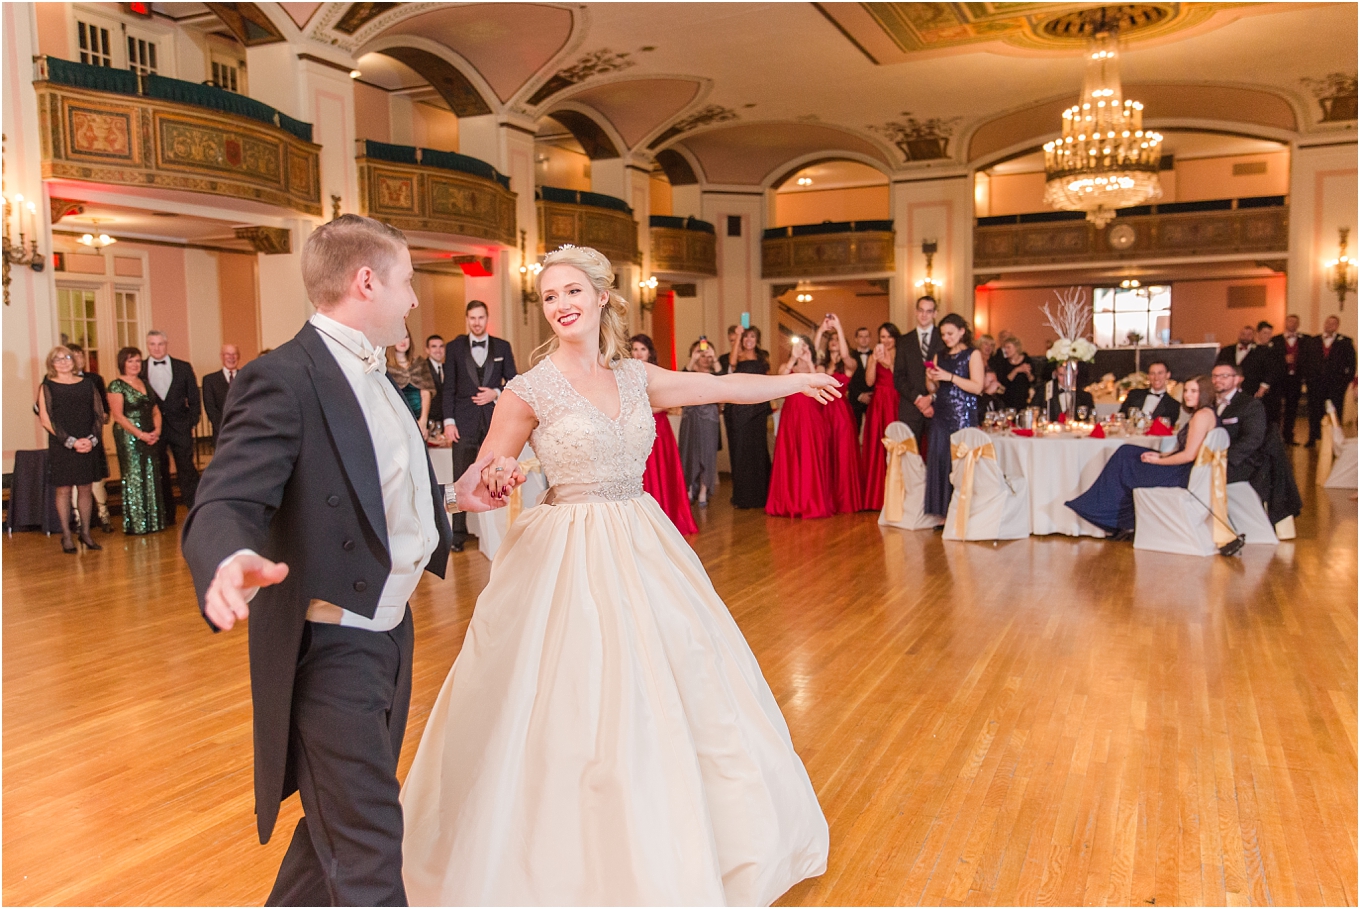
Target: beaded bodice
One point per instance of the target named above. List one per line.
(577, 444)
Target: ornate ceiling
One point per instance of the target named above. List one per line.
(742, 92)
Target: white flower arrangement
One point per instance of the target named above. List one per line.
(1071, 321)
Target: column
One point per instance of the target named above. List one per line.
(738, 287)
(939, 209)
(1322, 198)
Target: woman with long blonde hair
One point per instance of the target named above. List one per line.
(605, 735)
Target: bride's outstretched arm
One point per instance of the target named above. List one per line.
(681, 389)
(485, 484)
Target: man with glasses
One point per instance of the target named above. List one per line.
(1244, 417)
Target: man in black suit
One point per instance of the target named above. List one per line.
(1053, 400)
(1234, 354)
(859, 391)
(914, 349)
(322, 506)
(477, 366)
(1289, 347)
(1262, 372)
(215, 385)
(1329, 367)
(1244, 417)
(434, 365)
(175, 386)
(1155, 400)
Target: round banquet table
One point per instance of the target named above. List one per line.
(1059, 468)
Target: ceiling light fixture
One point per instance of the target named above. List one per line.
(96, 240)
(804, 181)
(355, 74)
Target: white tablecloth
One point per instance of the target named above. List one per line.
(1059, 468)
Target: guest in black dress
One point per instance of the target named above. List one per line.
(1015, 373)
(750, 448)
(101, 495)
(73, 415)
(955, 383)
(1108, 504)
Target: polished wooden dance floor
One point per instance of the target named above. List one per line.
(1049, 721)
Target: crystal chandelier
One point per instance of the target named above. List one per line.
(1105, 160)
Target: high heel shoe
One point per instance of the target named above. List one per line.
(67, 545)
(89, 542)
(105, 523)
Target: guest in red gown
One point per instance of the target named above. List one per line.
(873, 459)
(664, 478)
(836, 359)
(800, 479)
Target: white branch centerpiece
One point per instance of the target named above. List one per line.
(1071, 321)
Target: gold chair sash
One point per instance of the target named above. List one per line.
(1327, 448)
(964, 491)
(516, 503)
(893, 488)
(1217, 462)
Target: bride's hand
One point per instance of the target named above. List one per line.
(819, 386)
(501, 476)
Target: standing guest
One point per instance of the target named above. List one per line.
(1016, 374)
(992, 400)
(1329, 369)
(433, 364)
(800, 479)
(1236, 353)
(476, 368)
(412, 380)
(176, 390)
(749, 448)
(1261, 371)
(1244, 417)
(1155, 400)
(700, 432)
(101, 495)
(987, 346)
(321, 504)
(859, 391)
(918, 347)
(1289, 345)
(664, 478)
(997, 361)
(955, 382)
(883, 409)
(1054, 401)
(137, 428)
(724, 368)
(215, 385)
(1108, 504)
(71, 411)
(847, 486)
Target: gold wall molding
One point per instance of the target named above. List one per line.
(827, 255)
(613, 233)
(417, 197)
(271, 241)
(688, 252)
(138, 141)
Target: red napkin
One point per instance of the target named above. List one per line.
(1160, 427)
(1098, 432)
(1027, 433)
(1062, 417)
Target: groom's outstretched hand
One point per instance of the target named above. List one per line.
(234, 585)
(482, 487)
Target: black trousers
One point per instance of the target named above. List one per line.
(351, 696)
(183, 453)
(1291, 389)
(1317, 406)
(464, 456)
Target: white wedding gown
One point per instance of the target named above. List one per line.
(605, 735)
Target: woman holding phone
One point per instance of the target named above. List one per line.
(955, 379)
(873, 459)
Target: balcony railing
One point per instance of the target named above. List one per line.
(1214, 227)
(683, 246)
(437, 191)
(116, 126)
(586, 219)
(829, 249)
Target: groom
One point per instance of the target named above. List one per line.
(315, 519)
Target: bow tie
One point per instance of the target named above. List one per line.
(478, 343)
(160, 362)
(1155, 394)
(375, 360)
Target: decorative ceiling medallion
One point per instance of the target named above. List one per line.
(247, 22)
(1128, 18)
(920, 140)
(596, 63)
(713, 113)
(360, 14)
(1336, 95)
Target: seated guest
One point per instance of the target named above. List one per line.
(1155, 400)
(997, 361)
(1054, 401)
(1244, 417)
(991, 399)
(1108, 504)
(988, 346)
(1015, 373)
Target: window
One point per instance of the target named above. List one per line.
(125, 318)
(77, 321)
(141, 55)
(95, 47)
(225, 75)
(1145, 311)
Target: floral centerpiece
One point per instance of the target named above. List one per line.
(1071, 321)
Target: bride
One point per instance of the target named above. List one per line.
(605, 735)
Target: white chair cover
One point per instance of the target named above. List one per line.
(1171, 519)
(1344, 451)
(491, 526)
(1248, 514)
(909, 513)
(997, 506)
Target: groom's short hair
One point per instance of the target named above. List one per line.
(339, 248)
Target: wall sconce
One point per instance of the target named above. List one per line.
(928, 286)
(527, 272)
(1341, 271)
(25, 252)
(647, 293)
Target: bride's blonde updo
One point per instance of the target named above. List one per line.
(614, 345)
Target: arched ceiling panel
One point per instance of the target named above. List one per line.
(594, 140)
(636, 107)
(462, 98)
(746, 153)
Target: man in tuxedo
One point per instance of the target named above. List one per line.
(1289, 348)
(1155, 400)
(914, 349)
(215, 385)
(1244, 417)
(477, 366)
(859, 391)
(1235, 353)
(176, 389)
(1262, 369)
(1054, 401)
(434, 365)
(316, 519)
(1329, 367)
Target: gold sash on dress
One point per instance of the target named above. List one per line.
(516, 503)
(893, 489)
(1217, 462)
(964, 491)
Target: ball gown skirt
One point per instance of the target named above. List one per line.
(606, 736)
(847, 487)
(1108, 504)
(664, 478)
(873, 459)
(800, 479)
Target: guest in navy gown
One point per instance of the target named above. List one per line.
(955, 381)
(1108, 504)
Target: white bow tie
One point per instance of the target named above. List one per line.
(375, 360)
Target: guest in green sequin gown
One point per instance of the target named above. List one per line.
(137, 428)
